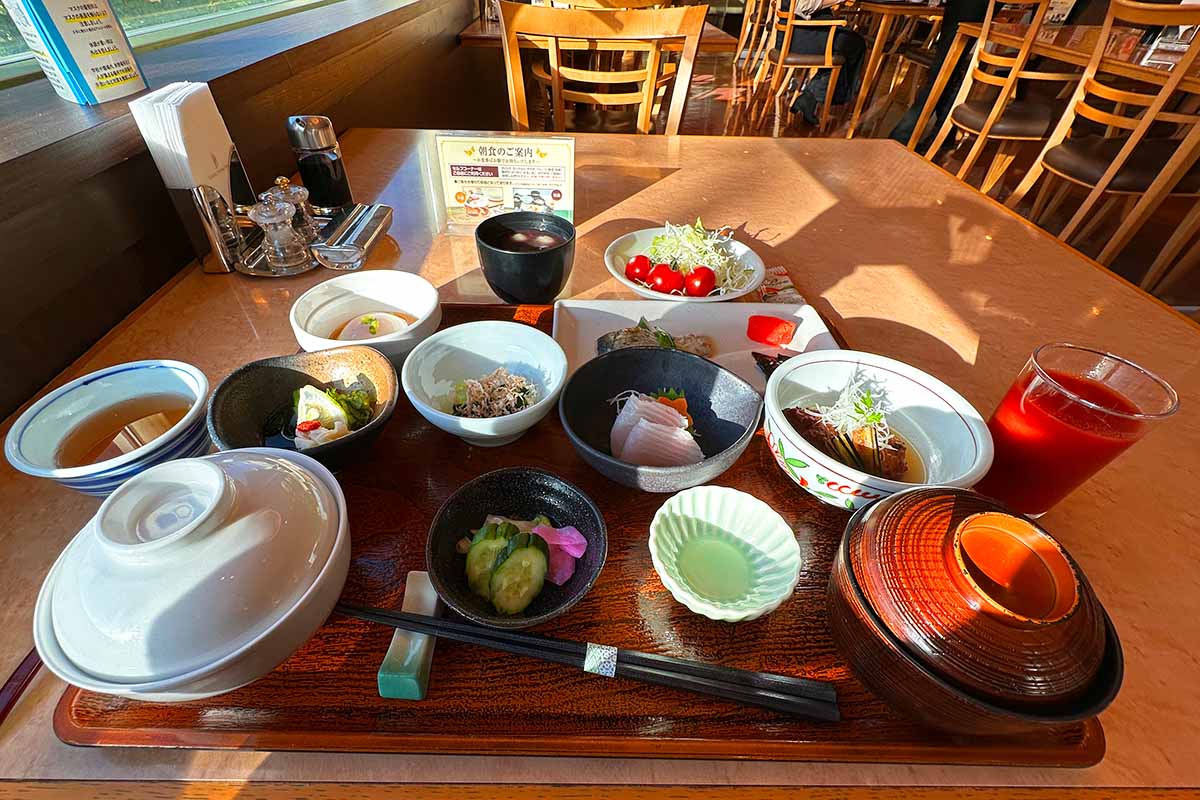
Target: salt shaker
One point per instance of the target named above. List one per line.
(283, 248)
(287, 192)
(319, 160)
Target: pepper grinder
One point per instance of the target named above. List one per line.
(319, 160)
(297, 196)
(283, 248)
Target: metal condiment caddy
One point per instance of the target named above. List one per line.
(236, 243)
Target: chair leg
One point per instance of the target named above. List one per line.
(777, 71)
(1081, 235)
(1184, 265)
(1060, 195)
(1000, 162)
(779, 85)
(834, 74)
(1041, 198)
(1158, 272)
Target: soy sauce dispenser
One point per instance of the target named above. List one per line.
(319, 159)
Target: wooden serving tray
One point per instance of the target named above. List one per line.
(324, 696)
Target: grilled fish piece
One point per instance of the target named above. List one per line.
(646, 335)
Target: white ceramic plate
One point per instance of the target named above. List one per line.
(579, 323)
(629, 245)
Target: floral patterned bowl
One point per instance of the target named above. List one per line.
(946, 431)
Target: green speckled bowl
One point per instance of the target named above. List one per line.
(724, 554)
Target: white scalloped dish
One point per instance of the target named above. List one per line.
(724, 554)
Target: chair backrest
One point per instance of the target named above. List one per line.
(1120, 109)
(610, 5)
(787, 20)
(643, 30)
(989, 65)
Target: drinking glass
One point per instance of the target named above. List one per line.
(1069, 412)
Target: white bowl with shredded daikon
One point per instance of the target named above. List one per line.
(506, 369)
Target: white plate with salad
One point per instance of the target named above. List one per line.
(685, 263)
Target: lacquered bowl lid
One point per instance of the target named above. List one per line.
(985, 598)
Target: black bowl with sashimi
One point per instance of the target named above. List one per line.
(724, 413)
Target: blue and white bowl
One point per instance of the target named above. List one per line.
(37, 435)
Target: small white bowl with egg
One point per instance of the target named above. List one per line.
(471, 351)
(389, 310)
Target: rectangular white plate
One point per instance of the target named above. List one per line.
(579, 323)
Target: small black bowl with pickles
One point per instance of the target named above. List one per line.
(516, 493)
(526, 256)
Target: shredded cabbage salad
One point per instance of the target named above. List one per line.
(685, 247)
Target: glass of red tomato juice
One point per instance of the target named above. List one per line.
(1069, 412)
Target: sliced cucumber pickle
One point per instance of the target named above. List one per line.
(519, 573)
(487, 545)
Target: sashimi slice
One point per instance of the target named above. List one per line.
(636, 408)
(651, 444)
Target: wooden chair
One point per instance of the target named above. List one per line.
(781, 64)
(754, 41)
(1005, 119)
(909, 55)
(643, 30)
(1126, 161)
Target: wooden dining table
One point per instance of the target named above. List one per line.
(486, 33)
(1074, 44)
(887, 12)
(900, 259)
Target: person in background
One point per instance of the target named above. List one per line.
(956, 11)
(811, 41)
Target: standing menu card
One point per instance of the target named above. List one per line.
(487, 175)
(80, 46)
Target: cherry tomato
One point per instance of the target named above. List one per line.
(700, 282)
(666, 280)
(638, 268)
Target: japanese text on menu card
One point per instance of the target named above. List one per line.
(485, 176)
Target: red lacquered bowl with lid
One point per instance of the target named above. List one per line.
(970, 618)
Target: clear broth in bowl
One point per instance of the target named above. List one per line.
(121, 428)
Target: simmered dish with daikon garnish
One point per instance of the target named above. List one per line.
(855, 431)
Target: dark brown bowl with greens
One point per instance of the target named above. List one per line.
(256, 406)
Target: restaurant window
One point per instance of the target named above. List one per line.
(151, 23)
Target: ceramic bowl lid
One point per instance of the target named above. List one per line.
(983, 597)
(189, 561)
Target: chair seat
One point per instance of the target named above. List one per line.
(592, 119)
(917, 54)
(1085, 159)
(806, 59)
(1021, 120)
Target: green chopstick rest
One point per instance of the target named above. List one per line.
(404, 673)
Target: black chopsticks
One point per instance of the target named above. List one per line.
(811, 699)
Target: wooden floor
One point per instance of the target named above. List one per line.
(709, 108)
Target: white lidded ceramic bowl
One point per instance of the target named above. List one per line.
(724, 554)
(949, 435)
(33, 442)
(473, 350)
(197, 577)
(323, 309)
